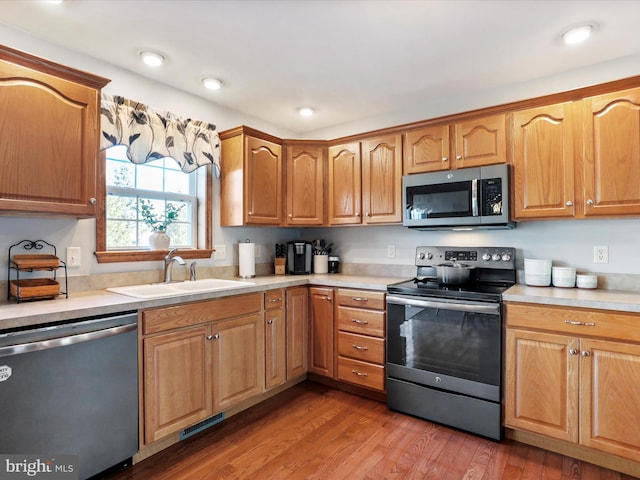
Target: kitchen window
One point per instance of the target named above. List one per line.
(158, 184)
(122, 233)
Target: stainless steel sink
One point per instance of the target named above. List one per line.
(158, 290)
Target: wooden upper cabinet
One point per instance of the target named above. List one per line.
(612, 153)
(344, 184)
(426, 149)
(543, 162)
(251, 178)
(481, 141)
(49, 136)
(305, 167)
(382, 179)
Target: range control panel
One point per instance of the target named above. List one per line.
(481, 257)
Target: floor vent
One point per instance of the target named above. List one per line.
(200, 426)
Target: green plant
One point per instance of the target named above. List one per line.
(158, 222)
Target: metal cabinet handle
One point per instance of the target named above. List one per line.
(216, 336)
(584, 324)
(569, 203)
(368, 214)
(586, 353)
(445, 159)
(589, 202)
(360, 374)
(459, 157)
(250, 213)
(270, 322)
(209, 337)
(358, 347)
(360, 299)
(290, 215)
(92, 201)
(359, 322)
(328, 299)
(573, 351)
(274, 300)
(357, 214)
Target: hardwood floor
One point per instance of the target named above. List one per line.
(311, 431)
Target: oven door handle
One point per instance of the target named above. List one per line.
(493, 308)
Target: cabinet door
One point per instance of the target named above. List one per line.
(426, 149)
(543, 166)
(177, 381)
(382, 179)
(344, 185)
(612, 154)
(263, 193)
(481, 141)
(609, 400)
(275, 344)
(297, 331)
(321, 332)
(305, 185)
(541, 383)
(48, 143)
(238, 360)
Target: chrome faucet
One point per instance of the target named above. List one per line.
(192, 271)
(169, 260)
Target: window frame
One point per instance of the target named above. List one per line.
(112, 256)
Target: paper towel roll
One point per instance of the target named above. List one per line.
(247, 259)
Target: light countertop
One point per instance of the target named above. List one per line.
(103, 302)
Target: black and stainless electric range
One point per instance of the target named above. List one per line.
(444, 342)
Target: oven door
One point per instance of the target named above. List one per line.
(446, 344)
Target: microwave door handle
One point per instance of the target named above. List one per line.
(474, 197)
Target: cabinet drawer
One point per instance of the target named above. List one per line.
(575, 321)
(274, 299)
(360, 347)
(168, 318)
(359, 320)
(361, 299)
(361, 373)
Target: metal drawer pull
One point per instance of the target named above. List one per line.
(586, 324)
(586, 353)
(360, 299)
(358, 347)
(360, 374)
(360, 322)
(273, 300)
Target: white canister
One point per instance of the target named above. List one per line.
(563, 277)
(537, 272)
(320, 263)
(587, 280)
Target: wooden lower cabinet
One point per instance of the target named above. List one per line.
(297, 299)
(572, 374)
(238, 360)
(321, 343)
(176, 381)
(275, 338)
(199, 359)
(360, 326)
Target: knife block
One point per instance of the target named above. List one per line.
(279, 265)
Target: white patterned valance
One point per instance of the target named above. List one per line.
(151, 135)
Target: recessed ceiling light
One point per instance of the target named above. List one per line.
(305, 111)
(212, 83)
(577, 34)
(152, 59)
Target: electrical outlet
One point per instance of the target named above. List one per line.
(391, 251)
(73, 256)
(220, 252)
(601, 254)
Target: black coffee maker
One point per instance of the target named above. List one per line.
(299, 258)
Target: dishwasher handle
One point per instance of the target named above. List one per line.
(65, 341)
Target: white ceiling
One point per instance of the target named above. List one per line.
(348, 59)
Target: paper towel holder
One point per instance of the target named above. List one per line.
(246, 259)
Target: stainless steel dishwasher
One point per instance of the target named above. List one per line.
(72, 388)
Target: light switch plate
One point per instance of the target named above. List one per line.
(73, 257)
(220, 252)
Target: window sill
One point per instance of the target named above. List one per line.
(148, 255)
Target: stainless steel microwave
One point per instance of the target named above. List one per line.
(468, 198)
